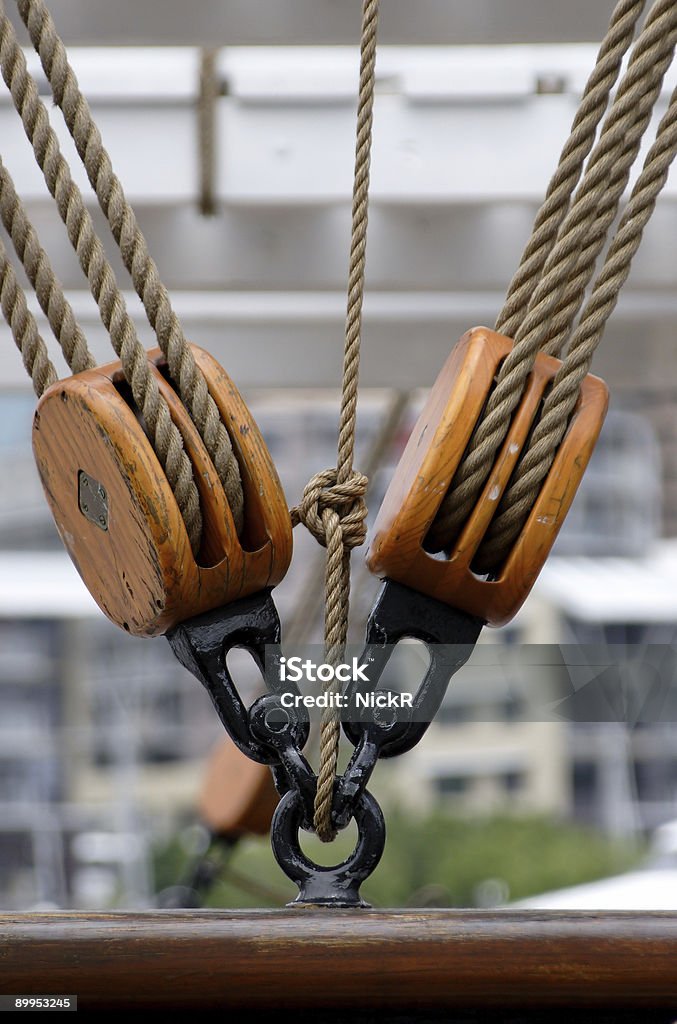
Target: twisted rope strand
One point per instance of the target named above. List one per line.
(166, 438)
(24, 328)
(340, 542)
(136, 257)
(572, 160)
(333, 506)
(306, 608)
(573, 293)
(586, 226)
(609, 164)
(562, 398)
(39, 271)
(611, 160)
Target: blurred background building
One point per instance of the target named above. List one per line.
(102, 736)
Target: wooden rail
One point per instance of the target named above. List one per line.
(409, 962)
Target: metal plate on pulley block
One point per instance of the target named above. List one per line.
(93, 500)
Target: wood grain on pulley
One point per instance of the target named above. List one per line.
(434, 453)
(133, 553)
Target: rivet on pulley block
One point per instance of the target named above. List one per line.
(431, 458)
(117, 515)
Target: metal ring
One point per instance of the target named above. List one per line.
(337, 886)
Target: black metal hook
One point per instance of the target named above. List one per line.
(449, 637)
(202, 645)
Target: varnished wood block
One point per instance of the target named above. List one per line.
(238, 796)
(432, 456)
(118, 517)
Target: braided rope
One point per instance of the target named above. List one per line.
(24, 328)
(591, 213)
(165, 436)
(39, 271)
(136, 257)
(333, 506)
(563, 396)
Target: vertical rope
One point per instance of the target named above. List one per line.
(185, 372)
(338, 551)
(305, 610)
(333, 506)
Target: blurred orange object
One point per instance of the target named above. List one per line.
(238, 796)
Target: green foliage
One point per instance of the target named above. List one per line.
(523, 856)
(436, 860)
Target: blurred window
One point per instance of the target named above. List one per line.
(452, 785)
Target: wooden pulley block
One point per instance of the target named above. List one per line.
(117, 515)
(238, 795)
(431, 458)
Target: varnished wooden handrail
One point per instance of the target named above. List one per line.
(302, 959)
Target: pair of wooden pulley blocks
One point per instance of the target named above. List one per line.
(119, 520)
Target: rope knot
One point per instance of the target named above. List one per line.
(324, 499)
